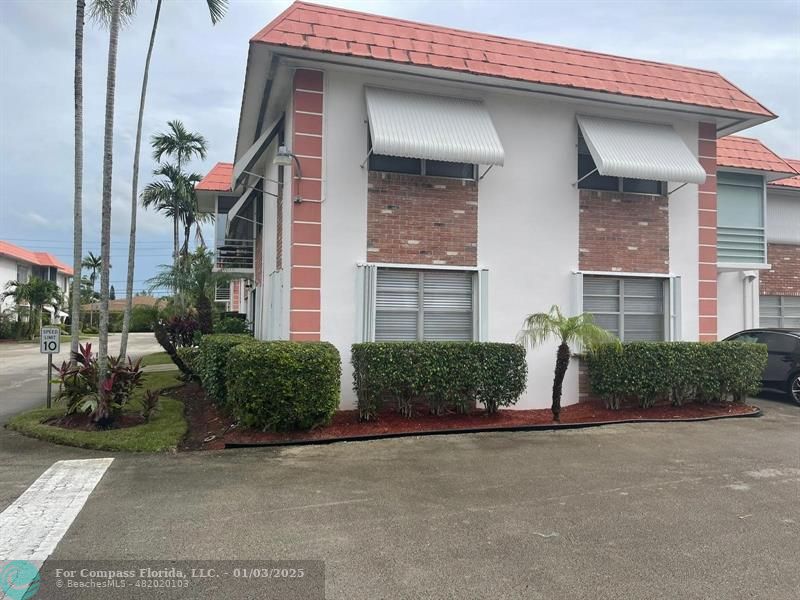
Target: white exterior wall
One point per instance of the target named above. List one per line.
(8, 272)
(783, 217)
(527, 220)
(737, 305)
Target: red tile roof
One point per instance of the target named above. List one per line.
(789, 182)
(356, 34)
(219, 179)
(749, 153)
(41, 259)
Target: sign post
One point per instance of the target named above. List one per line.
(49, 343)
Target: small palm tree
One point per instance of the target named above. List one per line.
(36, 293)
(541, 327)
(92, 262)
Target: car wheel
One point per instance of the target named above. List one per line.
(794, 387)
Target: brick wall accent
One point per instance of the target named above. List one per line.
(623, 232)
(783, 279)
(236, 288)
(707, 233)
(421, 220)
(306, 228)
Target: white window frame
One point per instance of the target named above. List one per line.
(782, 310)
(672, 297)
(366, 294)
(738, 264)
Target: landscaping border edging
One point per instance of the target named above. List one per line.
(539, 427)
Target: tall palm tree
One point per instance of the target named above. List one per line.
(181, 145)
(108, 163)
(216, 9)
(541, 327)
(77, 214)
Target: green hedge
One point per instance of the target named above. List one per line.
(680, 371)
(190, 355)
(211, 360)
(442, 374)
(282, 386)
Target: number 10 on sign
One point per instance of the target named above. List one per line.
(49, 343)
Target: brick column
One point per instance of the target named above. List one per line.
(707, 234)
(306, 240)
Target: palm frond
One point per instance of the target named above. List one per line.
(100, 12)
(217, 10)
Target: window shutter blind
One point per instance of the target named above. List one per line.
(365, 303)
(397, 305)
(447, 305)
(483, 305)
(643, 301)
(631, 308)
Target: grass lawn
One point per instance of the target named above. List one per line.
(157, 358)
(163, 432)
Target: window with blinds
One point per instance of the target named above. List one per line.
(632, 308)
(779, 311)
(424, 305)
(740, 218)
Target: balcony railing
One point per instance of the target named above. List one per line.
(235, 256)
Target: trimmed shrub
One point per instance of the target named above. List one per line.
(283, 386)
(210, 364)
(190, 356)
(455, 375)
(143, 318)
(679, 371)
(231, 325)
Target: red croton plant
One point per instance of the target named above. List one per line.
(82, 391)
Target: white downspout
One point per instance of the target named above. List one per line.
(748, 301)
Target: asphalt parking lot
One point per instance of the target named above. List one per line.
(703, 510)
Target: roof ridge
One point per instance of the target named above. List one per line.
(467, 33)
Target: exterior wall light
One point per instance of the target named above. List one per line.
(284, 158)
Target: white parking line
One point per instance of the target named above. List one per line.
(32, 526)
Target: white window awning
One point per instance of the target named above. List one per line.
(432, 127)
(254, 152)
(640, 150)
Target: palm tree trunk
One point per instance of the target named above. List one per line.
(77, 218)
(562, 362)
(126, 319)
(105, 227)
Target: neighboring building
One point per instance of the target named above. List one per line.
(400, 181)
(234, 240)
(754, 224)
(20, 264)
(118, 306)
(780, 285)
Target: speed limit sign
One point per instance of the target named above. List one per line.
(50, 340)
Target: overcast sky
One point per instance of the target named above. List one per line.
(197, 76)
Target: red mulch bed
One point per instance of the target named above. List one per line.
(210, 429)
(83, 422)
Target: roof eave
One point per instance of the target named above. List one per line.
(728, 121)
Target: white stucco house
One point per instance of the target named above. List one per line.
(20, 264)
(400, 181)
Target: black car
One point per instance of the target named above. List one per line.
(783, 366)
